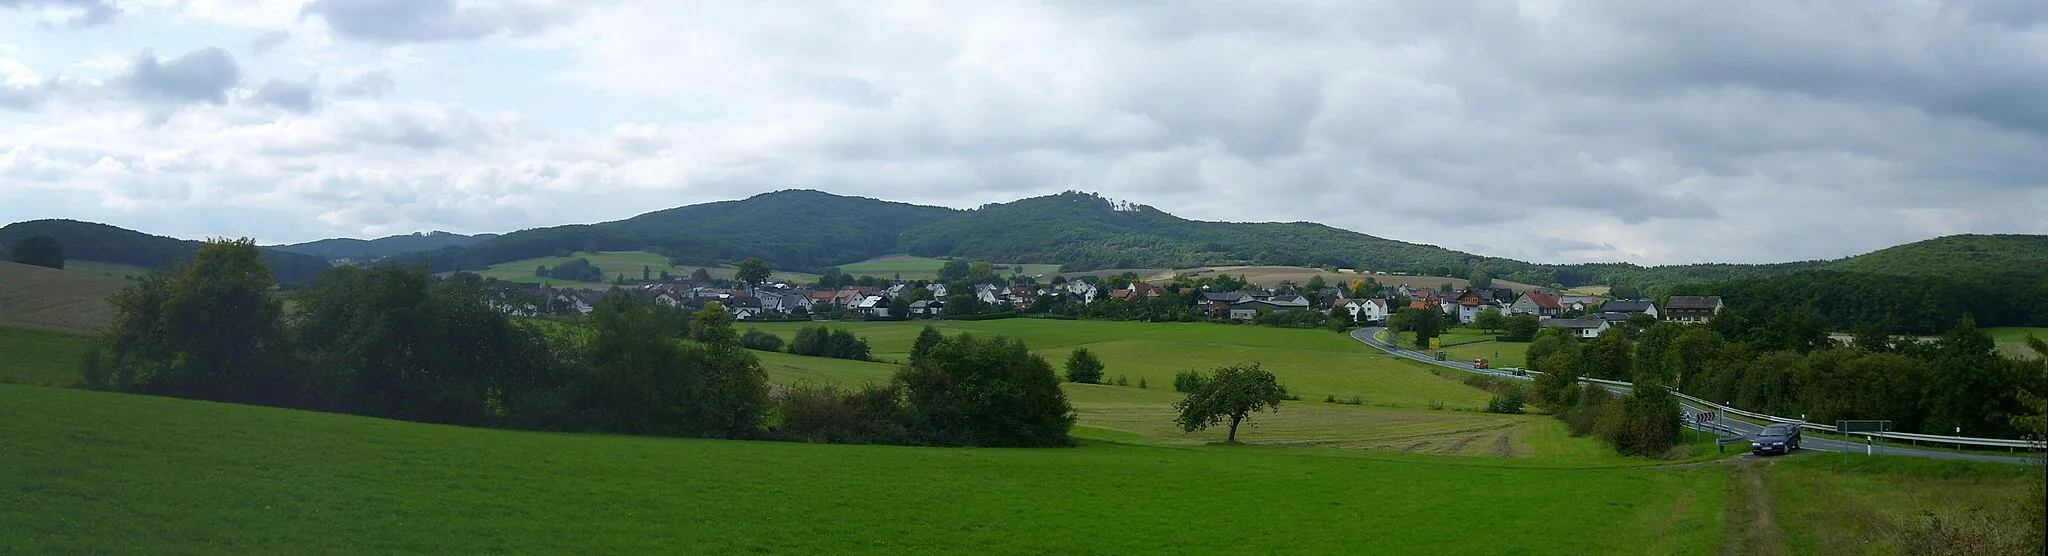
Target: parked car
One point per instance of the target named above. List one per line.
(1481, 364)
(1441, 357)
(1781, 439)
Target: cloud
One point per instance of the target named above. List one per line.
(268, 41)
(408, 21)
(372, 84)
(292, 96)
(199, 76)
(82, 13)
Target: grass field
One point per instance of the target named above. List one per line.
(39, 357)
(924, 268)
(1822, 508)
(614, 263)
(1272, 275)
(50, 299)
(113, 270)
(1501, 354)
(2012, 340)
(97, 472)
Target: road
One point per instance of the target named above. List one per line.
(1370, 336)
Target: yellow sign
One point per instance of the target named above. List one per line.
(1436, 343)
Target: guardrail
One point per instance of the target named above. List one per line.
(1932, 438)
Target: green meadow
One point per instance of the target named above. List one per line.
(115, 270)
(614, 263)
(925, 268)
(99, 472)
(39, 357)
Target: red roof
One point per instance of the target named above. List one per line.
(1544, 301)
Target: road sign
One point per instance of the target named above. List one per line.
(1705, 416)
(1436, 343)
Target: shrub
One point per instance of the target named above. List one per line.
(874, 414)
(1187, 381)
(1142, 384)
(1509, 401)
(986, 392)
(758, 340)
(1436, 406)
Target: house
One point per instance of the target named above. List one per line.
(1138, 291)
(1536, 303)
(938, 291)
(1583, 328)
(1288, 302)
(1467, 306)
(671, 299)
(1630, 306)
(575, 300)
(1218, 303)
(1580, 303)
(1362, 310)
(873, 305)
(1692, 309)
(1249, 309)
(926, 308)
(987, 294)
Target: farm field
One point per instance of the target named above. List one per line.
(925, 268)
(1821, 507)
(613, 263)
(1453, 336)
(39, 357)
(192, 476)
(111, 270)
(1501, 354)
(1311, 363)
(50, 299)
(2012, 340)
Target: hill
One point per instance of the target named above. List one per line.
(1956, 257)
(50, 299)
(374, 249)
(1920, 288)
(108, 244)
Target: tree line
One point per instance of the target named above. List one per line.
(399, 343)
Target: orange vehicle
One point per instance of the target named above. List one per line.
(1481, 364)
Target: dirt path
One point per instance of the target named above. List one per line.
(1749, 514)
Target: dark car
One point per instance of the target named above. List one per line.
(1781, 439)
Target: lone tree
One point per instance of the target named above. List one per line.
(754, 271)
(1490, 320)
(1235, 392)
(39, 250)
(1082, 366)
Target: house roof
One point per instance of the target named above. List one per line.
(1259, 304)
(1223, 296)
(1628, 306)
(1702, 302)
(1543, 301)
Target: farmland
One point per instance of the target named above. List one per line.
(206, 477)
(112, 270)
(614, 263)
(39, 357)
(923, 268)
(49, 299)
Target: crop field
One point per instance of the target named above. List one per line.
(924, 268)
(39, 357)
(614, 263)
(50, 299)
(198, 477)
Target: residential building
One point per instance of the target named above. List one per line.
(1692, 309)
(1630, 306)
(1536, 303)
(1583, 328)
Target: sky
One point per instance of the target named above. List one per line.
(1542, 130)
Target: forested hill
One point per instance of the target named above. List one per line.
(373, 249)
(87, 241)
(1922, 287)
(1955, 256)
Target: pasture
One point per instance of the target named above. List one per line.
(2012, 340)
(614, 263)
(1822, 507)
(39, 357)
(100, 472)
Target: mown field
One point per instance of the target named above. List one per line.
(925, 268)
(614, 263)
(98, 472)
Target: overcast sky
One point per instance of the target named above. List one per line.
(1545, 130)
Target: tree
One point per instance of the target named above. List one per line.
(1480, 278)
(1490, 320)
(1523, 327)
(926, 339)
(954, 270)
(1624, 292)
(754, 272)
(39, 250)
(1425, 323)
(712, 325)
(210, 330)
(899, 307)
(646, 273)
(1233, 392)
(1082, 366)
(541, 271)
(986, 392)
(1316, 284)
(981, 273)
(701, 275)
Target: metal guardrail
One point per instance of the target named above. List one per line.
(1933, 438)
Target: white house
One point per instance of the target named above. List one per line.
(1584, 328)
(1363, 310)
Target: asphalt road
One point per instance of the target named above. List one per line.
(1729, 426)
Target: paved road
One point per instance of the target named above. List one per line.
(1370, 336)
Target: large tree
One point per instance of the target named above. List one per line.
(212, 330)
(38, 250)
(1082, 366)
(1523, 327)
(754, 271)
(1233, 392)
(1490, 320)
(986, 392)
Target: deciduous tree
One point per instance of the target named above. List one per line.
(38, 250)
(1082, 366)
(1233, 393)
(754, 271)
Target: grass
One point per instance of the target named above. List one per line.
(613, 263)
(925, 268)
(39, 357)
(1501, 354)
(98, 472)
(2012, 340)
(113, 270)
(1823, 507)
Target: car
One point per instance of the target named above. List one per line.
(1481, 364)
(1441, 357)
(1781, 439)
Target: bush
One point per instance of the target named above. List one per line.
(1083, 367)
(822, 341)
(1436, 406)
(1142, 384)
(757, 340)
(1187, 381)
(874, 414)
(986, 392)
(1510, 401)
(1121, 380)
(1649, 421)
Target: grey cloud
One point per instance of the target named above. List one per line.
(293, 96)
(405, 21)
(199, 76)
(91, 12)
(373, 84)
(25, 98)
(267, 42)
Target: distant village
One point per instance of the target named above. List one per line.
(1585, 315)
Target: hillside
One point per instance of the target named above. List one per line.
(1955, 257)
(108, 244)
(373, 249)
(50, 299)
(1921, 288)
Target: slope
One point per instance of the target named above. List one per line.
(1956, 257)
(373, 249)
(50, 299)
(108, 244)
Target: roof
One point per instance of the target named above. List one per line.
(1628, 306)
(1575, 324)
(1542, 300)
(1257, 304)
(1222, 296)
(1704, 302)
